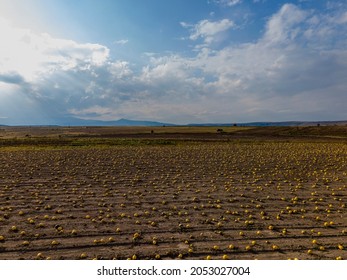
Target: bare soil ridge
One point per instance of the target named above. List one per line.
(106, 193)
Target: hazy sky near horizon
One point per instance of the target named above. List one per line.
(174, 61)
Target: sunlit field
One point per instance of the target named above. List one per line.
(138, 198)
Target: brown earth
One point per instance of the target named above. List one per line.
(237, 199)
(185, 132)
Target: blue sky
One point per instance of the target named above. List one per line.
(173, 61)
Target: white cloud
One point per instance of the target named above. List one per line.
(120, 69)
(233, 2)
(30, 54)
(228, 3)
(121, 42)
(208, 30)
(284, 26)
(277, 77)
(342, 18)
(95, 110)
(296, 70)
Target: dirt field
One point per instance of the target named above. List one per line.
(236, 199)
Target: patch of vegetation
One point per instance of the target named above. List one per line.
(119, 142)
(44, 142)
(298, 131)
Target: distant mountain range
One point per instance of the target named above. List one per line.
(120, 122)
(81, 122)
(126, 122)
(262, 124)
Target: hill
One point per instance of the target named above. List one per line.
(120, 122)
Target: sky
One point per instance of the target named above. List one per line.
(174, 61)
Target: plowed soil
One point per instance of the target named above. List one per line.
(234, 200)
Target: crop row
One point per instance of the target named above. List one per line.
(255, 200)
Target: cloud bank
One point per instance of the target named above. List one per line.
(295, 71)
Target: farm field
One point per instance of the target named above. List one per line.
(216, 199)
